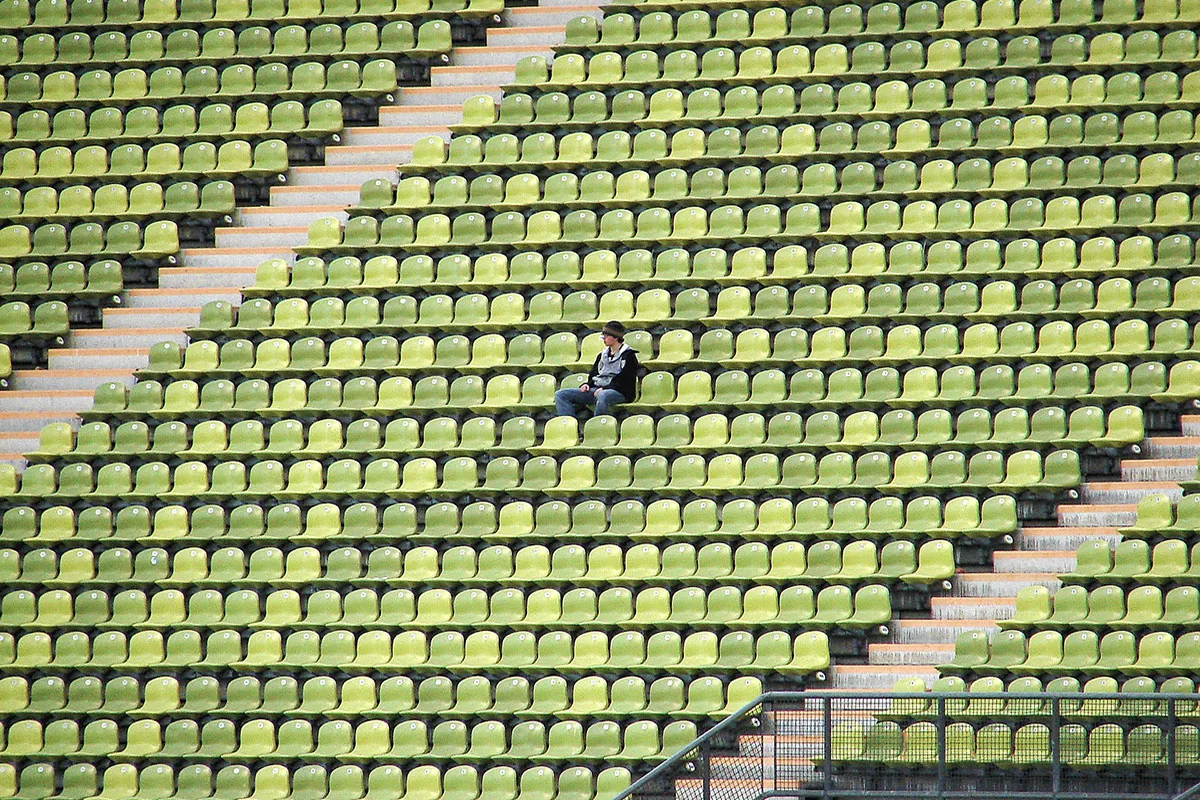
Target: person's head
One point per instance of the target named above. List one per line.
(612, 334)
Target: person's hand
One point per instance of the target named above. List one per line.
(585, 388)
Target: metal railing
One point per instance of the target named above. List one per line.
(1007, 746)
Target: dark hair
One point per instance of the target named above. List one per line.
(614, 329)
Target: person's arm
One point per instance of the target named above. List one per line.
(630, 370)
(592, 373)
(627, 377)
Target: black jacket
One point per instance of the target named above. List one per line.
(624, 381)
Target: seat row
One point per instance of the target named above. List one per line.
(491, 354)
(70, 278)
(1159, 515)
(1105, 747)
(833, 607)
(519, 521)
(896, 99)
(1109, 606)
(309, 79)
(758, 222)
(146, 123)
(753, 222)
(24, 15)
(1131, 561)
(856, 178)
(553, 652)
(115, 201)
(1028, 697)
(685, 476)
(788, 561)
(220, 44)
(905, 343)
(20, 321)
(232, 159)
(463, 565)
(1081, 652)
(785, 563)
(691, 145)
(759, 62)
(198, 781)
(593, 696)
(1003, 299)
(956, 386)
(257, 740)
(785, 431)
(659, 22)
(983, 258)
(153, 241)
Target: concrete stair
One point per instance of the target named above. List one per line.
(1040, 554)
(976, 601)
(148, 316)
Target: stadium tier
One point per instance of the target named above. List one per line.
(910, 282)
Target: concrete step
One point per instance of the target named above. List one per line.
(140, 338)
(539, 16)
(440, 96)
(301, 196)
(955, 609)
(180, 317)
(1063, 538)
(1010, 561)
(1115, 515)
(443, 77)
(262, 237)
(879, 677)
(932, 631)
(67, 401)
(1106, 492)
(1158, 469)
(993, 584)
(20, 442)
(375, 155)
(189, 277)
(908, 654)
(117, 358)
(732, 768)
(1190, 424)
(393, 135)
(288, 216)
(544, 36)
(439, 114)
(1172, 447)
(245, 258)
(590, 8)
(343, 175)
(33, 421)
(175, 297)
(499, 54)
(52, 380)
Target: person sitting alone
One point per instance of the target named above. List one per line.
(611, 381)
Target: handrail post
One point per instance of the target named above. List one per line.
(1172, 722)
(941, 747)
(827, 723)
(705, 772)
(1055, 750)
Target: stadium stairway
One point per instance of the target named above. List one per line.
(147, 316)
(977, 600)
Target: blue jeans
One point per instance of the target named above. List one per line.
(569, 402)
